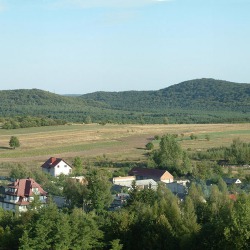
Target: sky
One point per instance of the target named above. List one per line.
(83, 46)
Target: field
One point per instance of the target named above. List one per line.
(114, 142)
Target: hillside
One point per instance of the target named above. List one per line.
(201, 94)
(195, 101)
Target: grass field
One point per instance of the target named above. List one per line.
(117, 142)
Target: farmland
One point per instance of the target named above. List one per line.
(115, 142)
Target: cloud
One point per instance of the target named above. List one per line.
(86, 4)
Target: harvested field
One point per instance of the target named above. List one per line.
(117, 142)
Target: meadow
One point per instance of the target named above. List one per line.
(111, 141)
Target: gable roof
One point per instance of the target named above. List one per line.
(52, 162)
(231, 180)
(149, 172)
(24, 187)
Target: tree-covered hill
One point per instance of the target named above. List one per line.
(195, 101)
(200, 94)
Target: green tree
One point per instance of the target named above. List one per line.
(77, 165)
(99, 194)
(170, 156)
(88, 120)
(149, 146)
(14, 142)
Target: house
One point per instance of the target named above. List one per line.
(145, 184)
(148, 173)
(56, 166)
(19, 194)
(231, 181)
(123, 181)
(127, 181)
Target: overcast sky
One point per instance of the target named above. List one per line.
(82, 46)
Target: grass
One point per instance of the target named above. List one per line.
(117, 142)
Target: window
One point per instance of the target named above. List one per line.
(65, 166)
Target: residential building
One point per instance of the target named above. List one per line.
(231, 181)
(124, 180)
(56, 166)
(155, 174)
(177, 188)
(19, 194)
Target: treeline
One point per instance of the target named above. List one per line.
(237, 153)
(150, 220)
(29, 121)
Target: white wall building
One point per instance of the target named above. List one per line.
(56, 166)
(19, 194)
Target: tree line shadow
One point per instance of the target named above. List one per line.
(6, 148)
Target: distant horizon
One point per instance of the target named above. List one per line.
(69, 46)
(79, 94)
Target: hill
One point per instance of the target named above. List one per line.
(200, 94)
(195, 101)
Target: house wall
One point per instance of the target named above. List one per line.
(167, 178)
(123, 181)
(62, 168)
(11, 198)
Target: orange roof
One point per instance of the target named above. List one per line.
(232, 197)
(24, 187)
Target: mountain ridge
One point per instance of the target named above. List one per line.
(199, 100)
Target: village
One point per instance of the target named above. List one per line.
(20, 194)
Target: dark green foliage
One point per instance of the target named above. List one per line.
(237, 153)
(170, 156)
(149, 146)
(196, 101)
(99, 195)
(14, 142)
(28, 121)
(154, 220)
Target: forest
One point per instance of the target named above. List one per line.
(209, 218)
(195, 101)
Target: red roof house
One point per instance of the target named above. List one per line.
(19, 194)
(56, 166)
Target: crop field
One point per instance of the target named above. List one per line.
(115, 142)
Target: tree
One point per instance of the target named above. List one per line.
(99, 186)
(14, 142)
(170, 156)
(88, 120)
(149, 146)
(78, 165)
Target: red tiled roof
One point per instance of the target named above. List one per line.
(52, 162)
(232, 197)
(24, 187)
(147, 172)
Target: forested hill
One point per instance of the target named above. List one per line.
(195, 101)
(200, 94)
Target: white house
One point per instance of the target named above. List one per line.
(19, 194)
(56, 166)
